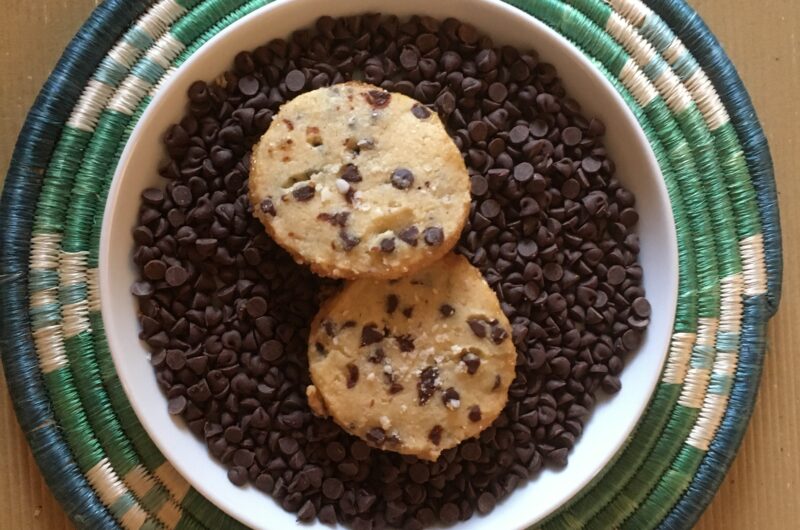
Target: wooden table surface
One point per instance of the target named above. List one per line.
(761, 491)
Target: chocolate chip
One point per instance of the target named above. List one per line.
(395, 388)
(377, 356)
(378, 98)
(332, 488)
(405, 343)
(641, 307)
(237, 475)
(349, 242)
(435, 436)
(176, 276)
(472, 362)
(303, 193)
(402, 178)
(391, 303)
(446, 310)
(387, 245)
(615, 274)
(376, 436)
(409, 235)
(474, 413)
(450, 398)
(182, 195)
(307, 512)
(433, 236)
(420, 112)
(177, 405)
(408, 311)
(427, 384)
(478, 327)
(338, 219)
(499, 334)
(352, 375)
(350, 173)
(370, 334)
(155, 270)
(497, 381)
(256, 306)
(295, 80)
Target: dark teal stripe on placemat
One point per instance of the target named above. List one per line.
(34, 147)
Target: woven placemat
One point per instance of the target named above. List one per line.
(667, 66)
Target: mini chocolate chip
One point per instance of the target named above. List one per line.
(237, 475)
(395, 388)
(408, 311)
(472, 362)
(271, 350)
(490, 208)
(177, 405)
(295, 80)
(307, 512)
(474, 413)
(352, 375)
(155, 270)
(433, 235)
(303, 193)
(616, 274)
(332, 488)
(435, 435)
(420, 111)
(176, 276)
(446, 310)
(523, 172)
(409, 235)
(256, 306)
(641, 307)
(497, 381)
(402, 178)
(182, 195)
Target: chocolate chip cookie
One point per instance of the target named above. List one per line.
(414, 365)
(356, 182)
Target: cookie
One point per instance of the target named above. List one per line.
(359, 182)
(414, 365)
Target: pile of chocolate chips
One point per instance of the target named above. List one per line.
(226, 312)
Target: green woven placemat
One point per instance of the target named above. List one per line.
(667, 67)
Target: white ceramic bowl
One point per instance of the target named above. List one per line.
(612, 420)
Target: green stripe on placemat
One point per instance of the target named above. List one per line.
(723, 273)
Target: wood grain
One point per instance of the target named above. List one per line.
(761, 37)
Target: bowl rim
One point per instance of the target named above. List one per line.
(118, 349)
